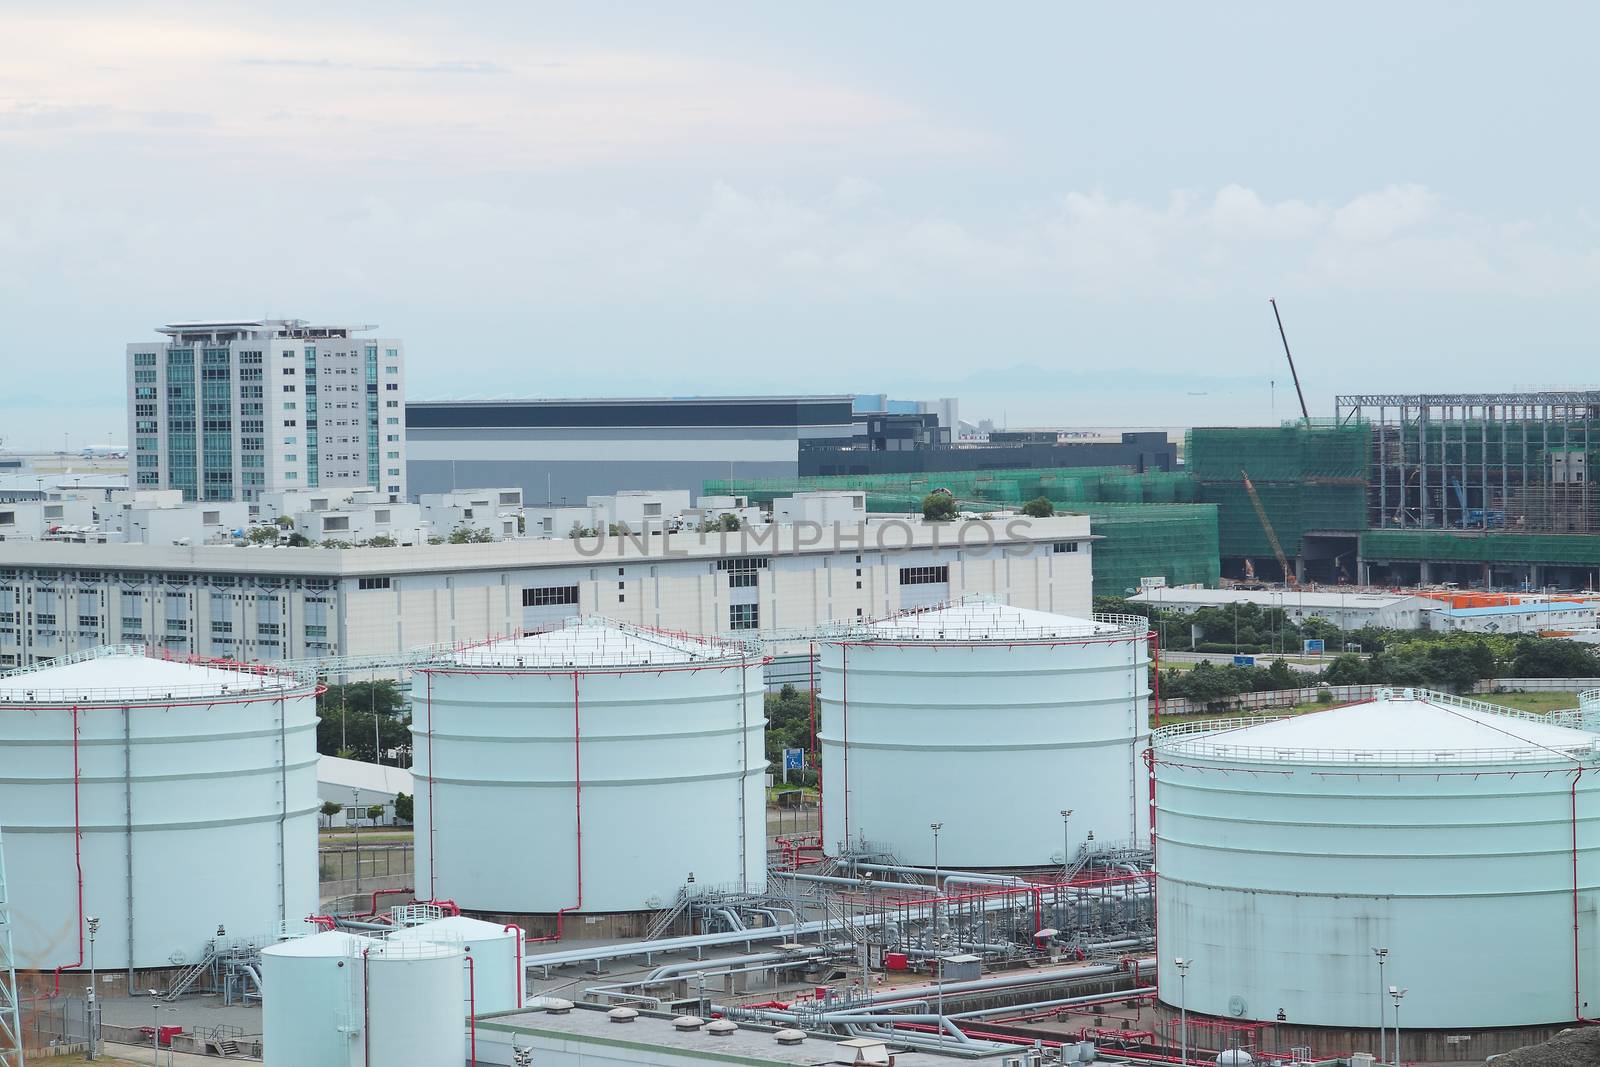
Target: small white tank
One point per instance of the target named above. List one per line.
(311, 1000)
(336, 999)
(495, 979)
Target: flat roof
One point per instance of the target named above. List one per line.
(1538, 607)
(634, 412)
(357, 774)
(1286, 598)
(749, 1044)
(984, 621)
(883, 534)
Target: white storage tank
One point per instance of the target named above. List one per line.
(311, 1002)
(1456, 834)
(335, 999)
(495, 949)
(549, 769)
(991, 720)
(186, 788)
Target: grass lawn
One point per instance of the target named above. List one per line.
(1540, 702)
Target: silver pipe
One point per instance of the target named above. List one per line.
(943, 873)
(1059, 1003)
(831, 879)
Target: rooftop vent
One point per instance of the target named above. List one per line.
(790, 1037)
(688, 1022)
(722, 1027)
(623, 1015)
(557, 1006)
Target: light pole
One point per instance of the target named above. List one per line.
(1183, 966)
(1066, 844)
(1383, 1018)
(355, 801)
(1396, 994)
(93, 1005)
(155, 1029)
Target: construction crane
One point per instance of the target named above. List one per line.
(1272, 537)
(1304, 411)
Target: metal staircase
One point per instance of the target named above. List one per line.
(664, 920)
(192, 974)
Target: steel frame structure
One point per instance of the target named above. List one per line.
(1480, 461)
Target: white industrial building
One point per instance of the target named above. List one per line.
(820, 507)
(566, 729)
(1528, 617)
(497, 511)
(167, 799)
(1426, 825)
(640, 511)
(947, 704)
(63, 518)
(232, 409)
(1348, 610)
(299, 603)
(358, 786)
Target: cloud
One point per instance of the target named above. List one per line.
(1380, 215)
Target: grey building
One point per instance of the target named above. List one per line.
(1142, 450)
(228, 410)
(568, 450)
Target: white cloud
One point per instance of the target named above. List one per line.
(1380, 215)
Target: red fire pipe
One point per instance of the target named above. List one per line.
(1155, 671)
(433, 817)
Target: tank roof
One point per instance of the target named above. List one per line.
(457, 927)
(327, 943)
(125, 672)
(597, 642)
(983, 621)
(1396, 726)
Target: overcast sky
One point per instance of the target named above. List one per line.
(1061, 214)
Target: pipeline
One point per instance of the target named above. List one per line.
(833, 879)
(522, 972)
(577, 802)
(376, 893)
(472, 1006)
(1025, 1011)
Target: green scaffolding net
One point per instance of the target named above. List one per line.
(1417, 545)
(1150, 524)
(1310, 478)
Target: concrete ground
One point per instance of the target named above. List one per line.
(133, 1054)
(190, 1013)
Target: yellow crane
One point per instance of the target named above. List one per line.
(1272, 537)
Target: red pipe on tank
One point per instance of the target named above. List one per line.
(433, 817)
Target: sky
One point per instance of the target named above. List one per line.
(1062, 214)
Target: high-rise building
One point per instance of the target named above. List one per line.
(229, 410)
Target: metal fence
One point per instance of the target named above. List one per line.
(52, 1022)
(339, 863)
(1275, 698)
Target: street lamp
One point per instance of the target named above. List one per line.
(1066, 844)
(1396, 994)
(1383, 1018)
(1183, 966)
(93, 1005)
(355, 802)
(155, 1029)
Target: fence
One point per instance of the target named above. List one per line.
(1275, 698)
(51, 1023)
(377, 861)
(1537, 685)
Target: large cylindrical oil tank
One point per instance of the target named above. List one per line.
(184, 791)
(545, 765)
(495, 950)
(1457, 835)
(990, 720)
(311, 1000)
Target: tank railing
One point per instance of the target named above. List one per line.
(195, 694)
(1589, 699)
(1202, 745)
(590, 640)
(1102, 626)
(255, 677)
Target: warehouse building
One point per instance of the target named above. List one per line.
(563, 451)
(1346, 610)
(298, 603)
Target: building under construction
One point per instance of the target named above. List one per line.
(1482, 489)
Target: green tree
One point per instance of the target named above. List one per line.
(335, 542)
(284, 522)
(298, 540)
(404, 807)
(381, 541)
(345, 720)
(461, 535)
(330, 808)
(260, 535)
(1039, 508)
(788, 726)
(938, 507)
(1543, 657)
(375, 812)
